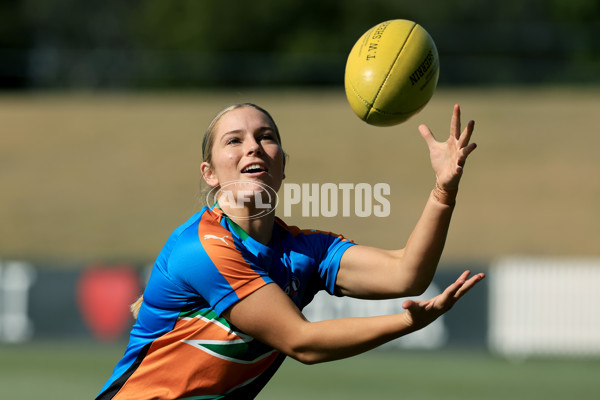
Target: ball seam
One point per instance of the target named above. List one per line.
(369, 106)
(380, 111)
(390, 70)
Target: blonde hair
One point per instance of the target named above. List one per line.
(135, 307)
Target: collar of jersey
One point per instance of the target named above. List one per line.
(234, 227)
(263, 252)
(242, 234)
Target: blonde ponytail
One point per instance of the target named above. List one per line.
(135, 307)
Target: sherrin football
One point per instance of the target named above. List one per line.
(391, 72)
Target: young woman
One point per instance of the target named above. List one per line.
(223, 306)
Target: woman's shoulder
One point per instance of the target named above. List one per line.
(191, 232)
(201, 220)
(200, 238)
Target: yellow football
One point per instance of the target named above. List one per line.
(391, 72)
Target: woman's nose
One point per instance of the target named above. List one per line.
(253, 147)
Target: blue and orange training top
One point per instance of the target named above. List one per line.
(180, 346)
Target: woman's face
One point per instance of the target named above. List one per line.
(246, 155)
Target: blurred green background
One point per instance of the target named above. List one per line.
(191, 43)
(102, 109)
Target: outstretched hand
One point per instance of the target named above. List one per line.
(448, 158)
(419, 314)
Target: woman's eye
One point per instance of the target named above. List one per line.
(233, 141)
(267, 136)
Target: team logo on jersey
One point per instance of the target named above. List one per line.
(292, 287)
(217, 237)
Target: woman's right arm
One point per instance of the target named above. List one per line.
(270, 316)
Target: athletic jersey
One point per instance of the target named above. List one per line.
(180, 346)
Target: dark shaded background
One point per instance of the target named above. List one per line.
(186, 44)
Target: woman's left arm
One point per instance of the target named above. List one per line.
(369, 272)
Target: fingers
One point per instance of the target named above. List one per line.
(465, 136)
(408, 304)
(422, 313)
(461, 286)
(455, 128)
(463, 277)
(453, 289)
(463, 154)
(455, 122)
(427, 135)
(468, 285)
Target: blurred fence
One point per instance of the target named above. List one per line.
(55, 68)
(525, 307)
(545, 307)
(16, 280)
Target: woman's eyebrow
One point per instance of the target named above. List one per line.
(230, 133)
(261, 129)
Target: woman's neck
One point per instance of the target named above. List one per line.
(259, 228)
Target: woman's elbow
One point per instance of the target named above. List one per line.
(419, 288)
(303, 347)
(304, 353)
(306, 357)
(415, 287)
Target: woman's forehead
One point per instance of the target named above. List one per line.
(243, 118)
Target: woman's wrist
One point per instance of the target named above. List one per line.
(444, 196)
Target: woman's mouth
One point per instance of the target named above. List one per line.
(254, 169)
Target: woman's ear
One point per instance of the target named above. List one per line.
(208, 174)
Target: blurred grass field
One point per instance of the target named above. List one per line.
(75, 371)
